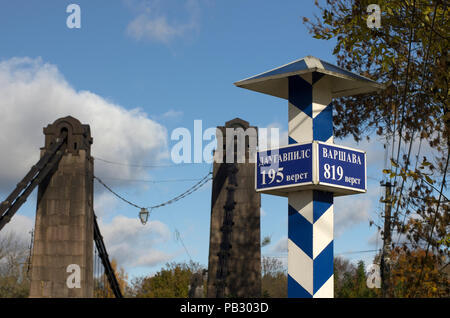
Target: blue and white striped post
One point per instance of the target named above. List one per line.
(310, 221)
(309, 84)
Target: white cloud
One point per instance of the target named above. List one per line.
(153, 257)
(172, 113)
(133, 244)
(34, 94)
(153, 23)
(20, 226)
(272, 131)
(263, 212)
(104, 203)
(144, 27)
(350, 211)
(280, 247)
(374, 148)
(378, 157)
(375, 239)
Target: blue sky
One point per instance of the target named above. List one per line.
(135, 71)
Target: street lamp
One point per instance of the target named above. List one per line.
(143, 215)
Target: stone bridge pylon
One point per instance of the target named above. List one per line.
(64, 226)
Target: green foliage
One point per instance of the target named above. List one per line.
(274, 278)
(14, 287)
(433, 210)
(274, 285)
(172, 281)
(350, 281)
(445, 240)
(14, 259)
(102, 289)
(407, 265)
(409, 53)
(265, 241)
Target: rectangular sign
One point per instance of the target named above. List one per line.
(316, 166)
(341, 166)
(284, 167)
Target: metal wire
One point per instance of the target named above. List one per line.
(153, 181)
(194, 188)
(191, 190)
(180, 239)
(117, 195)
(142, 166)
(110, 275)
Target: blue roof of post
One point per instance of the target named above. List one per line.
(343, 82)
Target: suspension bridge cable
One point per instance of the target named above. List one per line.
(102, 252)
(180, 239)
(152, 181)
(192, 189)
(116, 194)
(142, 165)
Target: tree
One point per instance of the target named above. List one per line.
(14, 259)
(406, 264)
(350, 281)
(171, 281)
(343, 271)
(274, 278)
(409, 53)
(102, 289)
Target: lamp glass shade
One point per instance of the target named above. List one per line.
(143, 215)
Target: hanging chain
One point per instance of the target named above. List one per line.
(194, 188)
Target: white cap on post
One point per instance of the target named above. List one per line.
(343, 83)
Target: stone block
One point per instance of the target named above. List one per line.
(244, 260)
(64, 217)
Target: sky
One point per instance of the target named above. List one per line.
(137, 70)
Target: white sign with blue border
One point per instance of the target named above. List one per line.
(284, 167)
(341, 166)
(315, 165)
